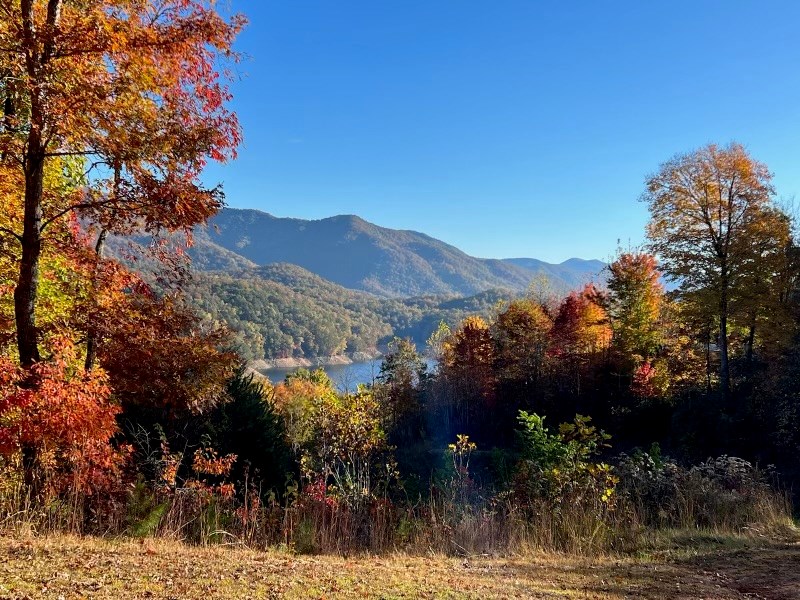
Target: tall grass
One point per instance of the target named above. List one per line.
(725, 496)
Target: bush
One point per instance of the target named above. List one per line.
(725, 493)
(560, 486)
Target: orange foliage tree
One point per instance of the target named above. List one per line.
(580, 336)
(131, 86)
(716, 230)
(110, 111)
(468, 367)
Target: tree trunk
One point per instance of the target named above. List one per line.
(724, 367)
(27, 287)
(30, 471)
(9, 109)
(91, 335)
(708, 360)
(751, 340)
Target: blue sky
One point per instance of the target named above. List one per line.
(507, 128)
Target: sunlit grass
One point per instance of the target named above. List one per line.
(74, 567)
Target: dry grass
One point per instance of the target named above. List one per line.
(686, 568)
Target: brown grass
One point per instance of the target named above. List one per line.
(687, 567)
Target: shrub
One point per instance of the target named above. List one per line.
(725, 493)
(566, 495)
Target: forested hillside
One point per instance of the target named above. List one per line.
(282, 310)
(359, 255)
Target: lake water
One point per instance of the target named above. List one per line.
(345, 377)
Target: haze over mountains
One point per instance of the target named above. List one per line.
(359, 255)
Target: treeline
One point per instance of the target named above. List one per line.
(281, 311)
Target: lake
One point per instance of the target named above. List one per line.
(345, 377)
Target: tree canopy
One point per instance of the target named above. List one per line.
(131, 88)
(714, 227)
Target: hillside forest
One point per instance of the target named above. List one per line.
(291, 288)
(575, 422)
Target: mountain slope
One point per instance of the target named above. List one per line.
(568, 275)
(360, 255)
(248, 272)
(284, 311)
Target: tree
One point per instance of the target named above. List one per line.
(350, 449)
(468, 371)
(712, 224)
(156, 359)
(250, 427)
(130, 86)
(635, 303)
(580, 338)
(65, 421)
(295, 399)
(521, 334)
(581, 327)
(398, 390)
(159, 356)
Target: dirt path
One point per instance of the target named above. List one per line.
(67, 567)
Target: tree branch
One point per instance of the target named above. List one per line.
(17, 236)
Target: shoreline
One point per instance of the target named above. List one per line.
(262, 365)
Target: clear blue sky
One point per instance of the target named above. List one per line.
(507, 128)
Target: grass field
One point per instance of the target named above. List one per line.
(684, 567)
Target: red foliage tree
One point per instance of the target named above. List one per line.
(63, 413)
(581, 327)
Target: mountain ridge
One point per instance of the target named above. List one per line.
(360, 255)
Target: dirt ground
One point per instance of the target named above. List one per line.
(70, 567)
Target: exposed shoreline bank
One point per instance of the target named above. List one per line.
(314, 361)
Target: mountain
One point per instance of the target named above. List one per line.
(359, 255)
(568, 275)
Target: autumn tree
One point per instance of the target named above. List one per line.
(338, 439)
(398, 390)
(579, 341)
(66, 422)
(635, 303)
(470, 383)
(581, 326)
(350, 455)
(134, 89)
(635, 300)
(762, 305)
(522, 337)
(295, 399)
(437, 341)
(160, 357)
(713, 226)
